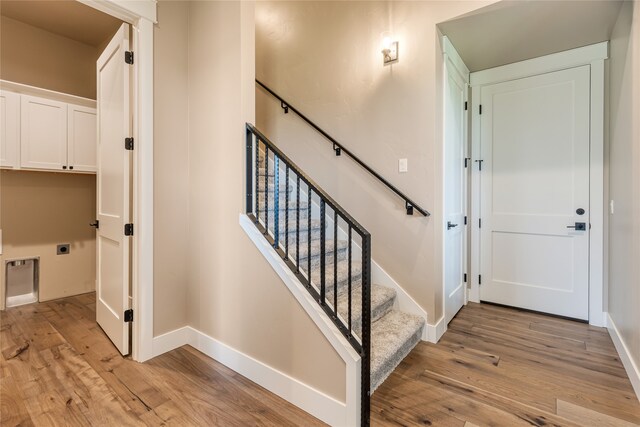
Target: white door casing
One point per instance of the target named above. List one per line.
(43, 133)
(113, 190)
(535, 176)
(455, 182)
(9, 129)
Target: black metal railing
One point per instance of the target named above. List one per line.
(336, 273)
(409, 204)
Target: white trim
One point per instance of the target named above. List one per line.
(435, 331)
(544, 64)
(593, 56)
(450, 51)
(633, 371)
(351, 413)
(141, 14)
(309, 399)
(46, 93)
(127, 10)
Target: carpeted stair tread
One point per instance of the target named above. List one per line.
(315, 250)
(392, 338)
(382, 299)
(292, 207)
(343, 275)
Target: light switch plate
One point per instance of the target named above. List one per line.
(403, 165)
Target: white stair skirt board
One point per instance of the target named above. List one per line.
(404, 302)
(633, 371)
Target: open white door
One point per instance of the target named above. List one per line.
(455, 185)
(113, 192)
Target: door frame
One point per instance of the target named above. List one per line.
(142, 15)
(452, 60)
(594, 56)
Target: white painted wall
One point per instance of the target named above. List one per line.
(624, 178)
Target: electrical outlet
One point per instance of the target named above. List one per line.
(63, 249)
(403, 165)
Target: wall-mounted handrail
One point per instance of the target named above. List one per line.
(409, 204)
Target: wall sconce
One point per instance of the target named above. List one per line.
(389, 51)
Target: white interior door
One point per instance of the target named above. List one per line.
(113, 181)
(534, 185)
(455, 180)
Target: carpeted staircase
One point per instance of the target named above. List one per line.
(393, 333)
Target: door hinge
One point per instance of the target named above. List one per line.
(479, 164)
(465, 105)
(128, 57)
(479, 279)
(479, 222)
(128, 143)
(128, 315)
(128, 229)
(480, 108)
(465, 277)
(465, 220)
(466, 161)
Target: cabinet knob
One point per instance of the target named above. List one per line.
(70, 167)
(64, 167)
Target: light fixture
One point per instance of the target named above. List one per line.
(389, 51)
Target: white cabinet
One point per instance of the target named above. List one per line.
(81, 142)
(9, 129)
(43, 133)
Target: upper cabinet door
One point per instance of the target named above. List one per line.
(9, 129)
(82, 138)
(43, 136)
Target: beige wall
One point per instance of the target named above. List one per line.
(171, 168)
(624, 181)
(39, 58)
(39, 210)
(325, 58)
(233, 295)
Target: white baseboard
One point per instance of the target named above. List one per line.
(625, 355)
(404, 302)
(315, 402)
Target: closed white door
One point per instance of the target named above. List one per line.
(43, 133)
(113, 181)
(455, 141)
(9, 129)
(535, 193)
(82, 138)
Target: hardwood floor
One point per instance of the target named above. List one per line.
(59, 369)
(493, 367)
(497, 366)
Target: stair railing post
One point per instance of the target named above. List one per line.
(276, 201)
(249, 172)
(366, 329)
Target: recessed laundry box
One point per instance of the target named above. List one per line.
(21, 281)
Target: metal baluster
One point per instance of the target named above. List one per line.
(335, 260)
(365, 403)
(286, 213)
(266, 189)
(297, 223)
(276, 200)
(309, 232)
(249, 172)
(323, 252)
(257, 173)
(349, 279)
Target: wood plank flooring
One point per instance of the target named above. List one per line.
(57, 368)
(493, 367)
(498, 366)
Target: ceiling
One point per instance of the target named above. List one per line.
(67, 18)
(512, 31)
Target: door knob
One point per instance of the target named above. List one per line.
(450, 225)
(579, 226)
(96, 224)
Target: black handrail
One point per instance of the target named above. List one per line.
(409, 204)
(359, 340)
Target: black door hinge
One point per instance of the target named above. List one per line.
(479, 279)
(465, 220)
(479, 222)
(128, 57)
(128, 143)
(128, 315)
(465, 277)
(479, 164)
(128, 229)
(480, 108)
(466, 161)
(465, 105)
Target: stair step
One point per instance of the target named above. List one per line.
(292, 207)
(392, 338)
(343, 275)
(271, 186)
(315, 253)
(382, 299)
